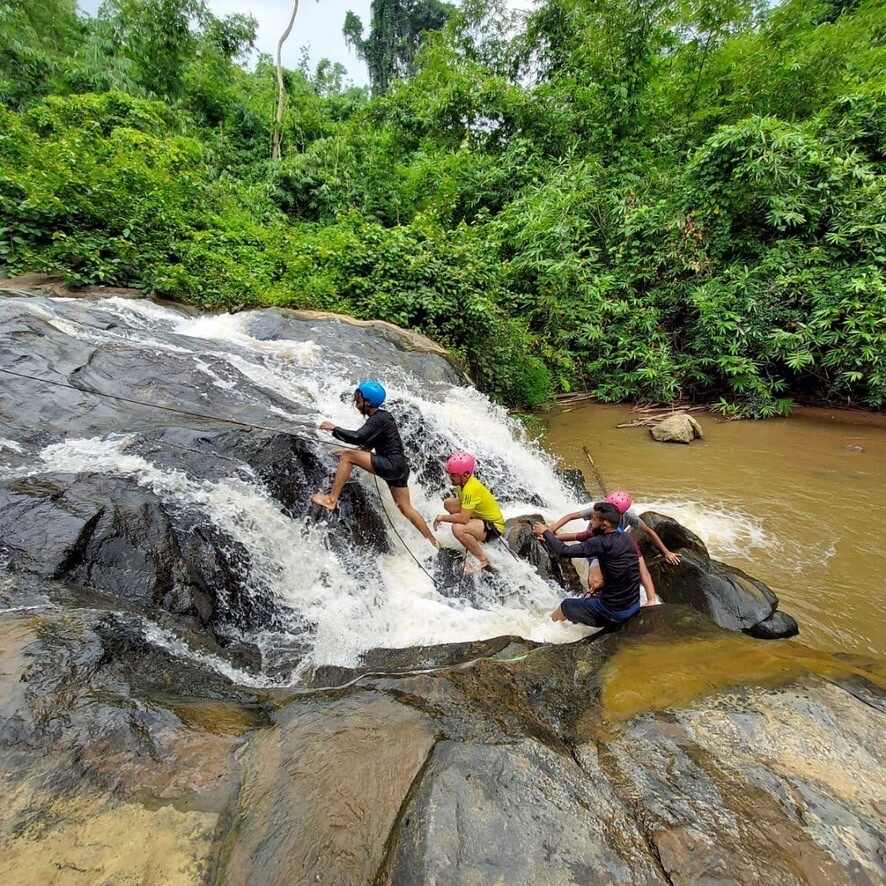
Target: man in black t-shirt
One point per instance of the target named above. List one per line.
(379, 432)
(619, 560)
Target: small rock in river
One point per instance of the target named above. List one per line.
(677, 428)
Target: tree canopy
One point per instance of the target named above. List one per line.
(646, 199)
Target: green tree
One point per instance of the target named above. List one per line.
(155, 36)
(395, 33)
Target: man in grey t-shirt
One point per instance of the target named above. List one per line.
(630, 522)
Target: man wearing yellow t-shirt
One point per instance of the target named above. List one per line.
(474, 514)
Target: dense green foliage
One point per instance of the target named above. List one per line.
(395, 35)
(648, 199)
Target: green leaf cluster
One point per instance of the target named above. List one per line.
(647, 200)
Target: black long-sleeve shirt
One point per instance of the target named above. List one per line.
(379, 432)
(619, 562)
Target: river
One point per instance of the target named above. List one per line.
(796, 502)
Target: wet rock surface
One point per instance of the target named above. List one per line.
(534, 764)
(107, 534)
(519, 538)
(116, 767)
(136, 746)
(732, 598)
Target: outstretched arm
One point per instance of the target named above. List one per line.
(564, 520)
(588, 548)
(670, 557)
(360, 437)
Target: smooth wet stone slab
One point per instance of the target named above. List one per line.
(101, 783)
(322, 790)
(599, 762)
(514, 813)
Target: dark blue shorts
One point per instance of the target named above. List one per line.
(591, 611)
(395, 472)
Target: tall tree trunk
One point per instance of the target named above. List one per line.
(277, 144)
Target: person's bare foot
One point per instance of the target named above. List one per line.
(477, 567)
(557, 615)
(325, 501)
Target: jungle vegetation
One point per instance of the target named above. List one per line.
(646, 199)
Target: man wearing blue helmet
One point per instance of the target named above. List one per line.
(388, 461)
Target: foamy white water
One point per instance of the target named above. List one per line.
(337, 606)
(334, 605)
(726, 530)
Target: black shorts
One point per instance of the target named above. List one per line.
(395, 472)
(492, 531)
(593, 612)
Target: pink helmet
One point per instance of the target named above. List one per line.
(461, 463)
(621, 499)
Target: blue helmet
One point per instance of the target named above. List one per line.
(372, 392)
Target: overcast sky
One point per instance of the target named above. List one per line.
(317, 24)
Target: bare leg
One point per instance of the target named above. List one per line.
(470, 534)
(400, 494)
(557, 614)
(595, 577)
(347, 458)
(648, 584)
(451, 505)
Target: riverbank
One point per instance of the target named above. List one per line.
(797, 501)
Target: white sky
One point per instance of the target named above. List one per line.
(317, 24)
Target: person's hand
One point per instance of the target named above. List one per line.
(672, 559)
(539, 529)
(437, 521)
(327, 426)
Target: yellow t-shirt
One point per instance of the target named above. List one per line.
(474, 496)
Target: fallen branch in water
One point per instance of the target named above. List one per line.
(649, 416)
(577, 397)
(596, 473)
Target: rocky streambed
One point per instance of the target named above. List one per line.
(178, 704)
(628, 758)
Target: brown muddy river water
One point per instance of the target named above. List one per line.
(799, 503)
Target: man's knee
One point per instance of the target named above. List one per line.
(452, 505)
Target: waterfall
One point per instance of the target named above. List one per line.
(332, 604)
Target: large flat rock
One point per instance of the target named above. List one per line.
(323, 790)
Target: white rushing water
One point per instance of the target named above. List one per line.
(339, 606)
(334, 606)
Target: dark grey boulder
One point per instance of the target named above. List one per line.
(113, 536)
(519, 538)
(731, 597)
(778, 626)
(516, 813)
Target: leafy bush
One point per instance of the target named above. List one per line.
(647, 201)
